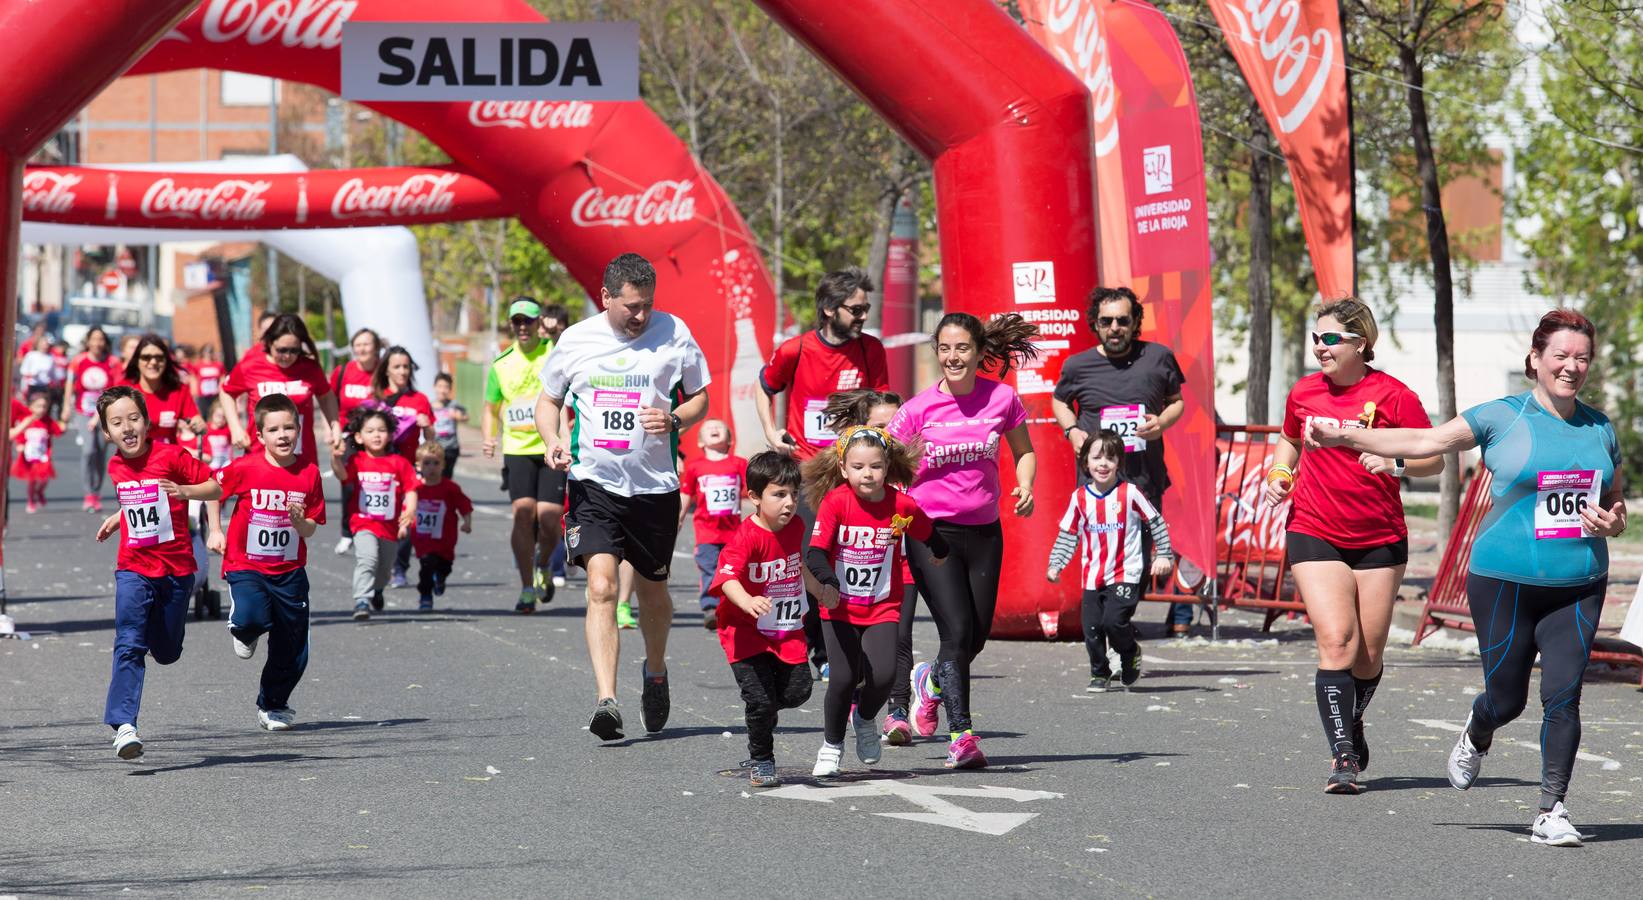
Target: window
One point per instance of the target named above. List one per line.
(240, 89)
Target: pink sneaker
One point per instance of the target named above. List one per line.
(90, 503)
(926, 700)
(965, 753)
(32, 507)
(896, 730)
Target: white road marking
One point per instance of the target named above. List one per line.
(939, 811)
(1609, 765)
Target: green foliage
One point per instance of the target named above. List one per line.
(1580, 175)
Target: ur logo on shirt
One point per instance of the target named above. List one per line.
(268, 498)
(1329, 420)
(864, 537)
(356, 391)
(294, 389)
(773, 570)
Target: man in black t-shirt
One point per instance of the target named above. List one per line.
(1130, 386)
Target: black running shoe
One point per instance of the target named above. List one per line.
(1130, 668)
(1343, 776)
(1360, 745)
(654, 704)
(606, 724)
(377, 600)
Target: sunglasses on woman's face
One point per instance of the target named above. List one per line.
(151, 357)
(1332, 338)
(287, 351)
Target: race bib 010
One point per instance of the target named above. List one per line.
(270, 538)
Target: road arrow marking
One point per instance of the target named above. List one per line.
(938, 811)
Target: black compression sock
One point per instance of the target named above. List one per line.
(1366, 692)
(1337, 697)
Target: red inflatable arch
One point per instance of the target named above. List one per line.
(1006, 127)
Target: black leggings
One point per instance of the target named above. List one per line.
(856, 654)
(901, 690)
(1106, 613)
(769, 686)
(1514, 622)
(962, 593)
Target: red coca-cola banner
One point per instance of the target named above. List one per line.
(1075, 32)
(1294, 58)
(83, 195)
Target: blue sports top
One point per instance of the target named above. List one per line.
(1520, 440)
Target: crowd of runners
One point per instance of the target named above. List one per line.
(813, 555)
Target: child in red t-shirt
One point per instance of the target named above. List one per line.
(439, 502)
(279, 504)
(854, 553)
(33, 436)
(712, 485)
(385, 493)
(154, 572)
(762, 626)
(218, 448)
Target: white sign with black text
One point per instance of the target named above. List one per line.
(461, 61)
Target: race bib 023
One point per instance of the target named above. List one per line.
(1126, 420)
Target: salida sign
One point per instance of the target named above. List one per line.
(421, 61)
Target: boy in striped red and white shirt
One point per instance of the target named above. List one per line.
(1105, 520)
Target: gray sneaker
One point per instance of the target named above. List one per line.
(607, 721)
(762, 773)
(869, 748)
(127, 745)
(244, 649)
(276, 719)
(1552, 828)
(1466, 760)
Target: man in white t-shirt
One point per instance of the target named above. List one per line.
(634, 379)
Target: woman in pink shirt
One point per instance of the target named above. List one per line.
(960, 422)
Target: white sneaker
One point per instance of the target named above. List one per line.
(276, 719)
(827, 761)
(242, 649)
(344, 545)
(868, 747)
(127, 745)
(1465, 760)
(1553, 828)
(558, 581)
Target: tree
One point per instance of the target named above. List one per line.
(1449, 60)
(1581, 172)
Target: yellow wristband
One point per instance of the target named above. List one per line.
(1280, 471)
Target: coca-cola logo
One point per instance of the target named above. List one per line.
(1089, 62)
(665, 202)
(233, 199)
(418, 195)
(309, 24)
(537, 114)
(48, 192)
(1271, 27)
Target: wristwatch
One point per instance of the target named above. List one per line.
(678, 426)
(1397, 467)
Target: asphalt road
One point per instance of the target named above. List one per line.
(446, 755)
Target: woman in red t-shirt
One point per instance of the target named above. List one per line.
(90, 373)
(351, 382)
(1347, 542)
(153, 372)
(208, 375)
(287, 362)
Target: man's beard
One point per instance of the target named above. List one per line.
(1114, 348)
(842, 332)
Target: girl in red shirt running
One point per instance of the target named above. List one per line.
(351, 383)
(153, 372)
(1347, 542)
(33, 435)
(92, 372)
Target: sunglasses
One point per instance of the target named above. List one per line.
(1334, 338)
(1110, 321)
(151, 357)
(285, 351)
(858, 311)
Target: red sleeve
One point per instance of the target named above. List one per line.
(922, 525)
(189, 470)
(1292, 418)
(460, 501)
(827, 523)
(236, 384)
(229, 478)
(56, 427)
(407, 474)
(314, 507)
(741, 470)
(1410, 412)
(777, 374)
(317, 382)
(687, 480)
(732, 559)
(878, 368)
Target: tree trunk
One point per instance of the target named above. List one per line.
(1259, 383)
(1443, 286)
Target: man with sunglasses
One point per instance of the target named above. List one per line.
(836, 356)
(1130, 386)
(536, 490)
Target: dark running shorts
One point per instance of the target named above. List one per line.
(640, 529)
(1302, 548)
(530, 477)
